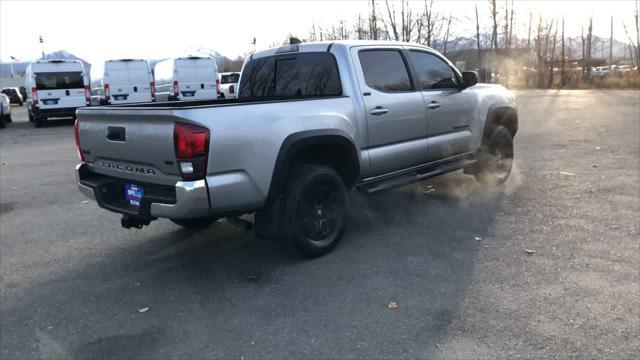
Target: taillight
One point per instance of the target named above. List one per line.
(107, 92)
(176, 89)
(232, 89)
(152, 85)
(76, 132)
(191, 143)
(87, 94)
(218, 86)
(34, 96)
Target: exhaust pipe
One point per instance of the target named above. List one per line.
(129, 222)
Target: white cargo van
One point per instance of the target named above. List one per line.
(55, 88)
(128, 81)
(229, 85)
(187, 78)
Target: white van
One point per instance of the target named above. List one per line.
(229, 85)
(187, 78)
(128, 81)
(55, 88)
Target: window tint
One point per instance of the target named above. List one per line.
(9, 91)
(432, 71)
(60, 80)
(305, 74)
(230, 78)
(385, 70)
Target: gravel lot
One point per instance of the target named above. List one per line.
(73, 280)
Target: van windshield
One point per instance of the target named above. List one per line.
(59, 80)
(230, 78)
(291, 75)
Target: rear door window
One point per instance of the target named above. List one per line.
(59, 80)
(296, 75)
(385, 70)
(433, 72)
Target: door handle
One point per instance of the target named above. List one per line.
(378, 110)
(433, 105)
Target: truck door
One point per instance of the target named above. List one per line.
(396, 115)
(450, 110)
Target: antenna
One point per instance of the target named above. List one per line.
(41, 45)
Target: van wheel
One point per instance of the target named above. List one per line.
(316, 206)
(39, 122)
(195, 223)
(495, 157)
(2, 121)
(8, 118)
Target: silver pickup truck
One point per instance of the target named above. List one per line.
(311, 122)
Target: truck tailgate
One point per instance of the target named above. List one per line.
(132, 144)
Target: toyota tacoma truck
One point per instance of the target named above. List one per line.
(312, 121)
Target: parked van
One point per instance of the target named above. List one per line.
(229, 85)
(56, 88)
(128, 81)
(187, 78)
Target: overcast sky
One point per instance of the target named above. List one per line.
(99, 30)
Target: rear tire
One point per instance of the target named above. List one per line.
(8, 118)
(39, 122)
(195, 223)
(495, 157)
(2, 121)
(316, 207)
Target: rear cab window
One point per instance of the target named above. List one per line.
(385, 70)
(230, 78)
(59, 80)
(310, 74)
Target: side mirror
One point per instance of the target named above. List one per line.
(469, 78)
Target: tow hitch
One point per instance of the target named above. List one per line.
(129, 222)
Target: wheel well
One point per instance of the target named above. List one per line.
(333, 155)
(505, 116)
(332, 150)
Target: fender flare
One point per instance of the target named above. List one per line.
(298, 141)
(495, 114)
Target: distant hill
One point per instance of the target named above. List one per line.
(20, 68)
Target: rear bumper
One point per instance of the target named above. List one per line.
(186, 199)
(55, 112)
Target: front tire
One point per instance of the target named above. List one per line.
(316, 209)
(495, 157)
(195, 223)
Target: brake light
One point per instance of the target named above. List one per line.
(76, 132)
(107, 92)
(176, 89)
(232, 89)
(218, 86)
(152, 85)
(191, 143)
(87, 94)
(34, 96)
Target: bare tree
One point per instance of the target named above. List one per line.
(529, 38)
(506, 24)
(392, 21)
(446, 36)
(494, 16)
(373, 22)
(611, 45)
(633, 49)
(478, 40)
(553, 57)
(589, 48)
(563, 79)
(510, 43)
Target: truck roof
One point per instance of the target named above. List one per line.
(325, 45)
